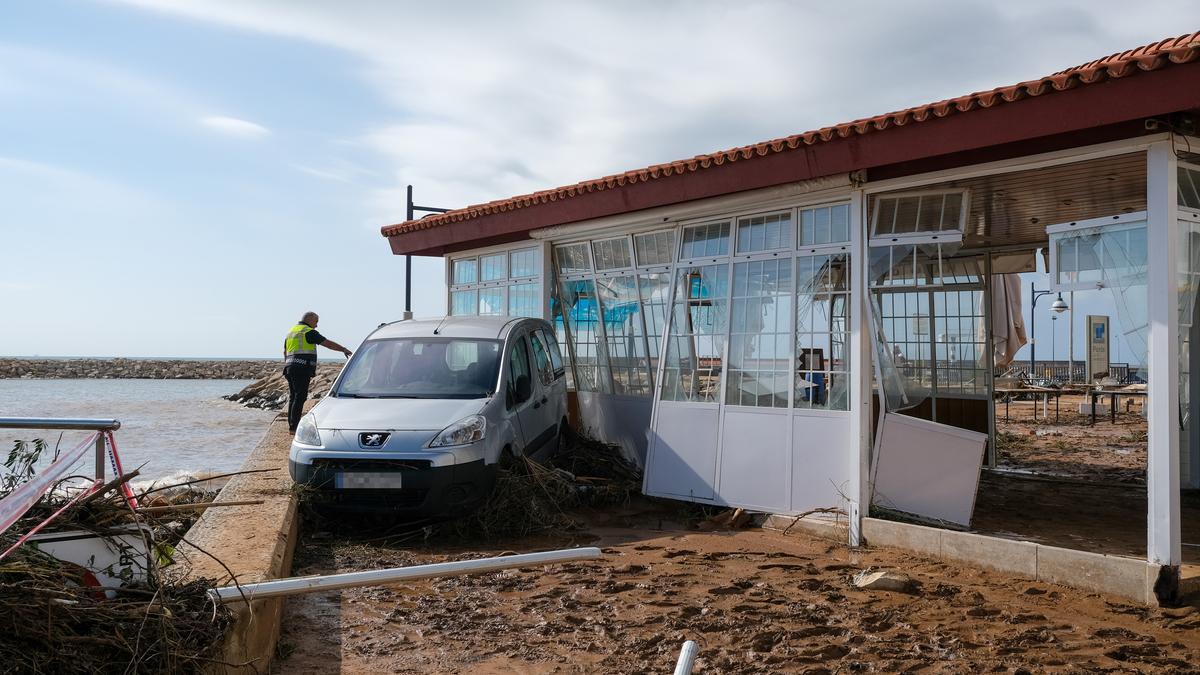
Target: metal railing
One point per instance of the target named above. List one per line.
(68, 424)
(1062, 372)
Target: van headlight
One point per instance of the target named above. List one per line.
(306, 431)
(466, 430)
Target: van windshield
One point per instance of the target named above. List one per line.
(422, 368)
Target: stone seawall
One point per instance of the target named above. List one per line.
(271, 392)
(150, 369)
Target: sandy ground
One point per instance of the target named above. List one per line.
(1073, 484)
(1070, 446)
(755, 601)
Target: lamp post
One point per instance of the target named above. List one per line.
(1059, 306)
(1054, 339)
(410, 213)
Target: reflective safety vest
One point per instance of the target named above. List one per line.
(296, 348)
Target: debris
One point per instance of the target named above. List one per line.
(731, 519)
(313, 584)
(532, 497)
(883, 580)
(113, 610)
(687, 657)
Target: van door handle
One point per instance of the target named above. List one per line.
(538, 404)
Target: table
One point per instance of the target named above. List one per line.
(1112, 395)
(1045, 392)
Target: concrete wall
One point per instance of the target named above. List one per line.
(247, 544)
(1115, 575)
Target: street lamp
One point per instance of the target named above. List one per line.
(1059, 306)
(409, 214)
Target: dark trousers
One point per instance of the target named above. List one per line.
(297, 379)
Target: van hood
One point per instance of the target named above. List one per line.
(394, 413)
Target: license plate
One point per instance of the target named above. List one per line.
(358, 480)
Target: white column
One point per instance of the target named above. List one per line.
(448, 277)
(860, 371)
(1162, 355)
(546, 252)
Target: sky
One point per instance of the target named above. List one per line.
(186, 177)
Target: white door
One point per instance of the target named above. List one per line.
(754, 457)
(682, 459)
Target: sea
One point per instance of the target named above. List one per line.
(171, 429)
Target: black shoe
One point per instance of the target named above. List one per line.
(291, 430)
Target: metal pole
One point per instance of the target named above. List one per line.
(1032, 330)
(67, 423)
(408, 215)
(1071, 339)
(331, 582)
(990, 356)
(100, 456)
(687, 657)
(1054, 341)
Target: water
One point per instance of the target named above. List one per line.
(171, 428)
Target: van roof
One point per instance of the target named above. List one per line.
(488, 327)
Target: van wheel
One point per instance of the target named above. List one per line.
(507, 458)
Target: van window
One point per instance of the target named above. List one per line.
(541, 357)
(556, 361)
(422, 368)
(518, 367)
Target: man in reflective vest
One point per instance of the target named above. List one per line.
(300, 362)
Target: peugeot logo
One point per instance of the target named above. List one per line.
(372, 440)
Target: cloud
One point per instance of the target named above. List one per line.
(57, 78)
(233, 126)
(494, 99)
(338, 170)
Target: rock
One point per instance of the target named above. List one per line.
(157, 369)
(271, 392)
(883, 580)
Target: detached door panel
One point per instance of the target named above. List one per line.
(683, 452)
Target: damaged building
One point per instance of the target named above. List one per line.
(825, 320)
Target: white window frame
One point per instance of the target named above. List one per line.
(1124, 221)
(731, 221)
(1191, 167)
(628, 239)
(674, 249)
(940, 236)
(793, 252)
(787, 240)
(504, 284)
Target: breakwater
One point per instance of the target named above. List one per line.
(149, 369)
(271, 392)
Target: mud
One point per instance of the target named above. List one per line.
(1070, 446)
(755, 601)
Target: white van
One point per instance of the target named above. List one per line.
(424, 411)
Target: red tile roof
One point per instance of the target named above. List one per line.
(1183, 49)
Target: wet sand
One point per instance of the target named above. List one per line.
(1071, 447)
(755, 601)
